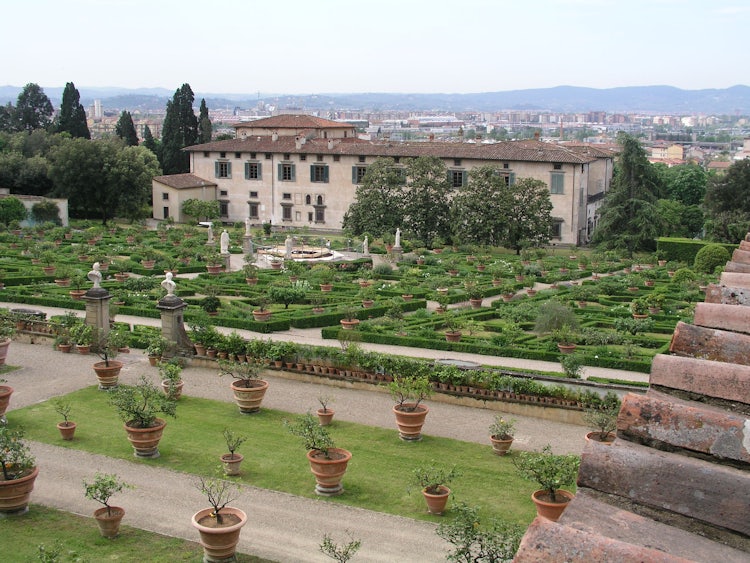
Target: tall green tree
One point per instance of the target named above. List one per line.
(12, 209)
(529, 218)
(481, 208)
(8, 119)
(629, 219)
(72, 116)
(180, 130)
(378, 205)
(727, 204)
(426, 199)
(33, 109)
(150, 143)
(126, 130)
(131, 177)
(686, 183)
(205, 127)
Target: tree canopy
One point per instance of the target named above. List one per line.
(33, 109)
(72, 116)
(11, 209)
(205, 127)
(628, 217)
(200, 209)
(377, 208)
(426, 205)
(126, 130)
(727, 204)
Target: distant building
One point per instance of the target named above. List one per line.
(303, 171)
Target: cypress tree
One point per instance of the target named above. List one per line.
(180, 130)
(150, 143)
(72, 118)
(126, 130)
(205, 128)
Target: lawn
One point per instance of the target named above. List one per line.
(77, 538)
(377, 477)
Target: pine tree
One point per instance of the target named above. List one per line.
(72, 118)
(629, 218)
(205, 128)
(180, 130)
(150, 143)
(126, 130)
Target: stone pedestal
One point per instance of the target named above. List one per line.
(398, 253)
(247, 245)
(225, 260)
(97, 311)
(173, 323)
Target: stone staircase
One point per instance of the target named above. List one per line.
(675, 485)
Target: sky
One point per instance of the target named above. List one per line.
(403, 46)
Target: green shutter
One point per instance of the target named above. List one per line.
(294, 172)
(354, 174)
(280, 174)
(247, 171)
(312, 172)
(260, 171)
(464, 178)
(229, 169)
(512, 178)
(325, 174)
(216, 169)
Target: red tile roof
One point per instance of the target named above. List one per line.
(183, 181)
(290, 121)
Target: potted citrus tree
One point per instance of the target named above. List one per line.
(433, 479)
(325, 414)
(18, 472)
(171, 378)
(408, 392)
(101, 489)
(501, 434)
(137, 405)
(107, 347)
(219, 526)
(551, 472)
(7, 330)
(67, 427)
(603, 419)
(232, 460)
(327, 462)
(247, 386)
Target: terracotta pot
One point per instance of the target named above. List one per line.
(63, 282)
(153, 360)
(65, 348)
(83, 349)
(108, 375)
(453, 336)
(367, 303)
(436, 502)
(410, 422)
(248, 399)
(407, 296)
(566, 348)
(326, 287)
(349, 324)
(200, 349)
(261, 316)
(548, 509)
(145, 441)
(475, 303)
(148, 264)
(4, 345)
(213, 269)
(219, 541)
(325, 417)
(329, 472)
(5, 393)
(174, 390)
(232, 463)
(597, 437)
(251, 281)
(67, 429)
(500, 447)
(109, 520)
(637, 316)
(14, 494)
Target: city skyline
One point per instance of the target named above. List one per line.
(334, 46)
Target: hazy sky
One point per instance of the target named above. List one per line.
(327, 46)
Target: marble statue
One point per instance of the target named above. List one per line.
(95, 275)
(366, 246)
(224, 240)
(210, 234)
(247, 226)
(288, 243)
(398, 238)
(168, 284)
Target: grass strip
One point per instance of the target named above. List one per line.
(377, 477)
(77, 538)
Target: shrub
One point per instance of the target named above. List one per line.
(554, 315)
(709, 257)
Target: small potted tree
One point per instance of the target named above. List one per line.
(156, 348)
(107, 347)
(262, 313)
(327, 462)
(409, 392)
(603, 420)
(83, 336)
(433, 480)
(501, 434)
(67, 427)
(349, 321)
(325, 414)
(551, 472)
(219, 526)
(171, 378)
(18, 472)
(565, 337)
(137, 406)
(247, 386)
(101, 489)
(232, 460)
(251, 272)
(340, 553)
(639, 308)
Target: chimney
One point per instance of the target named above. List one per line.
(297, 143)
(536, 135)
(275, 136)
(432, 137)
(330, 144)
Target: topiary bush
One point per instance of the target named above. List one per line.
(709, 257)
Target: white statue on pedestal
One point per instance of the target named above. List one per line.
(224, 240)
(247, 226)
(210, 234)
(168, 284)
(95, 275)
(288, 243)
(366, 246)
(398, 238)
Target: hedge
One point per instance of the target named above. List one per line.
(684, 250)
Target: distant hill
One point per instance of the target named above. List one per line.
(658, 99)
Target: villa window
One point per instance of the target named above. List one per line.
(358, 172)
(319, 173)
(253, 171)
(557, 183)
(287, 172)
(223, 169)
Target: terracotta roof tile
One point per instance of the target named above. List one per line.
(290, 121)
(183, 181)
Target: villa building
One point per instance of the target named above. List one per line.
(303, 171)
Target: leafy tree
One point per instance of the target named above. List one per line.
(205, 128)
(529, 219)
(480, 209)
(200, 209)
(727, 204)
(131, 175)
(179, 130)
(378, 205)
(11, 209)
(8, 118)
(629, 219)
(72, 117)
(33, 109)
(678, 219)
(686, 183)
(426, 198)
(474, 541)
(126, 130)
(46, 211)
